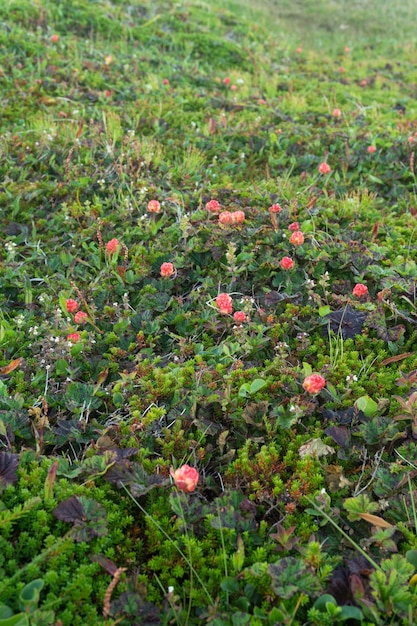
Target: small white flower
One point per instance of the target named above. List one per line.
(19, 320)
(10, 246)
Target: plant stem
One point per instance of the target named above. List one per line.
(159, 527)
(413, 504)
(345, 535)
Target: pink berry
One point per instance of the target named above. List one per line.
(185, 478)
(314, 383)
(71, 305)
(225, 218)
(274, 208)
(213, 206)
(112, 246)
(74, 337)
(297, 238)
(324, 168)
(360, 290)
(80, 317)
(294, 226)
(337, 113)
(167, 270)
(371, 149)
(224, 303)
(238, 217)
(154, 206)
(286, 263)
(240, 316)
(54, 38)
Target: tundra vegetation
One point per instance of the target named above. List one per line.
(208, 313)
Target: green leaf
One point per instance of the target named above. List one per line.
(332, 389)
(118, 399)
(307, 369)
(351, 612)
(411, 556)
(256, 385)
(81, 396)
(130, 277)
(359, 504)
(375, 179)
(324, 310)
(61, 367)
(77, 348)
(230, 584)
(5, 611)
(17, 620)
(290, 575)
(3, 430)
(367, 405)
(29, 596)
(238, 557)
(323, 600)
(244, 390)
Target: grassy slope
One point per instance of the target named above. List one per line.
(89, 133)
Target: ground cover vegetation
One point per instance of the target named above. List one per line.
(208, 368)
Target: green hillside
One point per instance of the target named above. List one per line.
(208, 312)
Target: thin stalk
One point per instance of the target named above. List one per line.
(171, 605)
(226, 571)
(159, 527)
(413, 504)
(345, 535)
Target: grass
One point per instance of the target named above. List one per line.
(113, 373)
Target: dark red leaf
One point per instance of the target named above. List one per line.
(105, 563)
(70, 511)
(339, 434)
(87, 515)
(8, 465)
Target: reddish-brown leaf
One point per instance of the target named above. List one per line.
(396, 357)
(9, 368)
(375, 520)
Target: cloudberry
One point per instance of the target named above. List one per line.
(71, 305)
(224, 303)
(314, 383)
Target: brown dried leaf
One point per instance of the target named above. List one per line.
(335, 479)
(315, 447)
(4, 371)
(396, 357)
(211, 126)
(375, 520)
